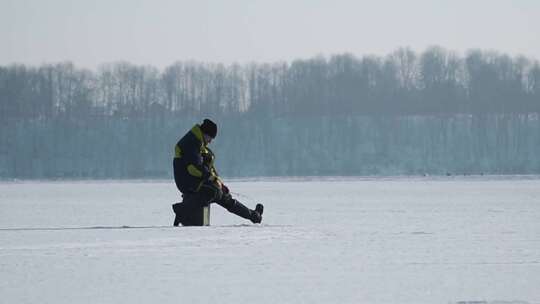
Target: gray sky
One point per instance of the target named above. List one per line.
(160, 32)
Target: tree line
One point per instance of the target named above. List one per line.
(472, 113)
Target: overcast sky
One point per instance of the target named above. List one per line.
(160, 32)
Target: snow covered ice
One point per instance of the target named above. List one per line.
(339, 240)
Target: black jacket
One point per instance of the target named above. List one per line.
(193, 161)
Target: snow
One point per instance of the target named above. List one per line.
(334, 240)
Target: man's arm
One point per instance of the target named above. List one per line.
(191, 154)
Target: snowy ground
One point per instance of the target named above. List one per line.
(393, 240)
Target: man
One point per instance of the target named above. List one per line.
(196, 177)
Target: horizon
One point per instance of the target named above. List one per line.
(327, 57)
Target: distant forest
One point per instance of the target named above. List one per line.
(435, 112)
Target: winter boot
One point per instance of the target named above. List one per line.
(259, 208)
(256, 215)
(177, 219)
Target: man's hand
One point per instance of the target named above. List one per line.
(225, 189)
(226, 192)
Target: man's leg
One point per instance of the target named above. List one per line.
(207, 194)
(182, 213)
(234, 206)
(189, 211)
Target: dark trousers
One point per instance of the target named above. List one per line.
(208, 193)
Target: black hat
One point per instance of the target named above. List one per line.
(209, 128)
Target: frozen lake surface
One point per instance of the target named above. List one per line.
(350, 240)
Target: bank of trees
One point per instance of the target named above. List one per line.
(471, 113)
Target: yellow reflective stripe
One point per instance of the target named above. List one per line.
(198, 133)
(194, 171)
(177, 152)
